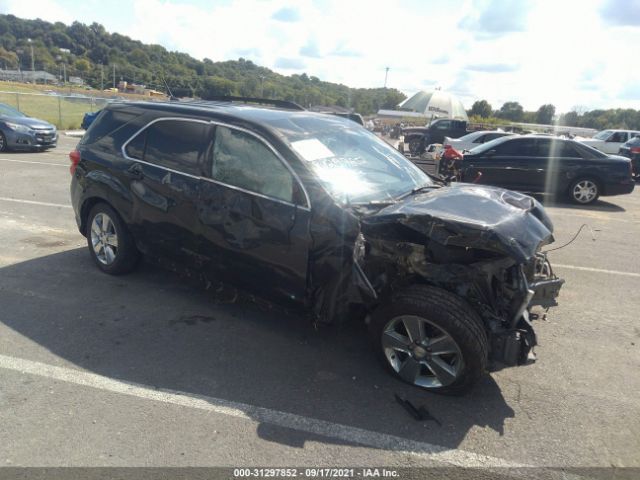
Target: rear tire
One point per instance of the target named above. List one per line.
(3, 143)
(453, 354)
(110, 243)
(584, 191)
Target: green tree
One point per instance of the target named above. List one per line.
(82, 65)
(511, 111)
(481, 108)
(545, 114)
(216, 86)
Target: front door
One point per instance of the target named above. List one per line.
(254, 217)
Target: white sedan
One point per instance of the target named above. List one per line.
(609, 141)
(473, 139)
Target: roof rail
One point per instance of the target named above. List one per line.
(261, 101)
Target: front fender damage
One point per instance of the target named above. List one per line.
(480, 243)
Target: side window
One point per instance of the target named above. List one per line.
(618, 137)
(180, 145)
(135, 147)
(492, 136)
(517, 148)
(481, 139)
(241, 160)
(444, 125)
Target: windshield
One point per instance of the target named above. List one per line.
(603, 135)
(353, 164)
(7, 111)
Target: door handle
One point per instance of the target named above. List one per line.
(135, 172)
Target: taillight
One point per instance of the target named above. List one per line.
(635, 149)
(75, 159)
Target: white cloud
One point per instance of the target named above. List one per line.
(566, 53)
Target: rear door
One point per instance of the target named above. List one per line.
(254, 217)
(166, 162)
(546, 172)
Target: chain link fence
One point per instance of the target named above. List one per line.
(64, 111)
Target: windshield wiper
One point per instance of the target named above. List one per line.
(424, 188)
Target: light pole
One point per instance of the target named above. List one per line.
(261, 86)
(101, 77)
(386, 73)
(33, 65)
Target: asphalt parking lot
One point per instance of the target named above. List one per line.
(148, 369)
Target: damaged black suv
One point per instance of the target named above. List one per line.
(315, 211)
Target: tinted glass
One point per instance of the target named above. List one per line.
(603, 135)
(518, 148)
(492, 136)
(556, 148)
(618, 137)
(481, 139)
(444, 125)
(135, 148)
(241, 160)
(634, 142)
(177, 144)
(107, 122)
(180, 145)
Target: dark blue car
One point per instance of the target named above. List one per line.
(21, 132)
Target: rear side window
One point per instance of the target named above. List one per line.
(106, 123)
(556, 148)
(241, 160)
(521, 147)
(179, 145)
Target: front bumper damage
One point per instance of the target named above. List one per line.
(514, 346)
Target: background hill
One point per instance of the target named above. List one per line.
(90, 52)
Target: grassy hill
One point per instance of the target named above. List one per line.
(89, 51)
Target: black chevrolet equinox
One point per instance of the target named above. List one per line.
(314, 211)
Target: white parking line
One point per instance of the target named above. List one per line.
(34, 202)
(597, 270)
(37, 163)
(345, 433)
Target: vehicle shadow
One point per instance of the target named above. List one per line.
(599, 205)
(160, 329)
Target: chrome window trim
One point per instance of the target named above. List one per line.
(233, 127)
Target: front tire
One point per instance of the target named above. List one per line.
(432, 339)
(3, 143)
(110, 243)
(584, 191)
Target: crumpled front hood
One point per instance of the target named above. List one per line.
(475, 216)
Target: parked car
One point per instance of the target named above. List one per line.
(317, 212)
(473, 139)
(21, 132)
(544, 164)
(631, 150)
(419, 138)
(88, 119)
(609, 141)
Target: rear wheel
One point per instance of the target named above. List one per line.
(432, 339)
(110, 243)
(3, 142)
(584, 191)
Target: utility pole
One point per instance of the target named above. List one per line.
(386, 73)
(114, 75)
(101, 77)
(262, 86)
(64, 72)
(33, 65)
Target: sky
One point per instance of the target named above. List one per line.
(571, 53)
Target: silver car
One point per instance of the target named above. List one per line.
(21, 132)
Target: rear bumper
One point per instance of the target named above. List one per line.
(621, 188)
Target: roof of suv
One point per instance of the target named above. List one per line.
(270, 117)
